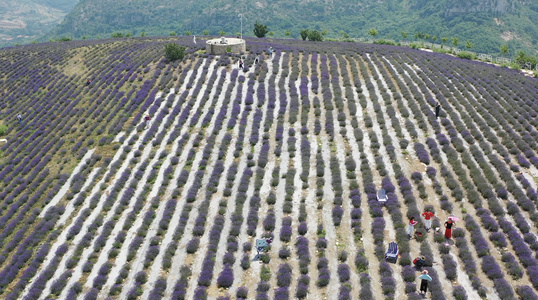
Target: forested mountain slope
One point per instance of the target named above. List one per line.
(27, 20)
(486, 24)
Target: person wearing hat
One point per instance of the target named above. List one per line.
(424, 282)
(420, 262)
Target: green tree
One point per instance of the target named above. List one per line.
(324, 32)
(404, 35)
(287, 33)
(443, 40)
(344, 34)
(373, 32)
(187, 33)
(173, 33)
(222, 33)
(427, 36)
(271, 33)
(455, 42)
(128, 34)
(174, 51)
(206, 32)
(3, 130)
(315, 36)
(469, 45)
(304, 34)
(117, 35)
(260, 30)
(504, 49)
(522, 58)
(143, 34)
(434, 38)
(84, 37)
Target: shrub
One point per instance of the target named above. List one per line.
(408, 274)
(324, 278)
(491, 268)
(466, 55)
(301, 291)
(459, 293)
(503, 288)
(226, 278)
(284, 253)
(361, 262)
(192, 245)
(303, 228)
(342, 256)
(526, 292)
(245, 262)
(343, 272)
(141, 277)
(174, 51)
(3, 130)
(241, 293)
(282, 293)
(284, 275)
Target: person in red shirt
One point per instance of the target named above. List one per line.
(428, 215)
(411, 227)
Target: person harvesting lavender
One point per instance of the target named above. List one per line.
(19, 118)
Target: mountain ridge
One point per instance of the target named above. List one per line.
(486, 24)
(27, 20)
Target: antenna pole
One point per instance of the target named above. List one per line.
(241, 18)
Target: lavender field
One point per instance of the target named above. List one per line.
(97, 205)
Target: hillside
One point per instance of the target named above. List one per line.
(97, 202)
(486, 24)
(22, 21)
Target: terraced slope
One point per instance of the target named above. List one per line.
(96, 203)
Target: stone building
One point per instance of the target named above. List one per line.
(225, 45)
